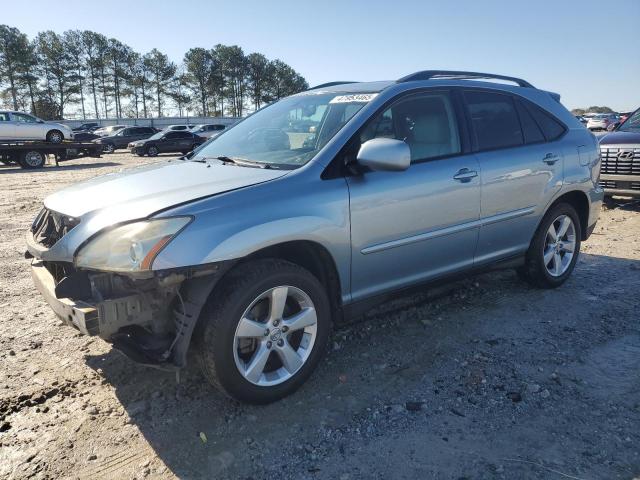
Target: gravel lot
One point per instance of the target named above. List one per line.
(487, 378)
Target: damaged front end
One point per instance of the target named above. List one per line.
(149, 316)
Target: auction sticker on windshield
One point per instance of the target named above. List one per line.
(354, 98)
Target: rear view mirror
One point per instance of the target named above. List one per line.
(385, 154)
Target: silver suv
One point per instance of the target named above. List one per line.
(311, 210)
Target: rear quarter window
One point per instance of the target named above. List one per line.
(551, 127)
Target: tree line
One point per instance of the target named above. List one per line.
(594, 109)
(89, 74)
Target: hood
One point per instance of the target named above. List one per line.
(620, 138)
(142, 191)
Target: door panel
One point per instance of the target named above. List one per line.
(411, 226)
(515, 183)
(7, 128)
(27, 128)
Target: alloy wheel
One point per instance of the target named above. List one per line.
(559, 245)
(275, 336)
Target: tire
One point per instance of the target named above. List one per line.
(108, 148)
(31, 159)
(55, 136)
(152, 151)
(562, 255)
(224, 358)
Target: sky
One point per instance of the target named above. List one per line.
(585, 50)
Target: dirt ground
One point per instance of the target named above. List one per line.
(494, 379)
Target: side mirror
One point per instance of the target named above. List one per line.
(385, 154)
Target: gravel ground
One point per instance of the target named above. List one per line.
(486, 378)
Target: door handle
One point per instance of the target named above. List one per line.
(550, 158)
(465, 175)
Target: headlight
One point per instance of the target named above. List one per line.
(131, 247)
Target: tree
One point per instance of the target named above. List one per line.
(72, 41)
(14, 50)
(178, 91)
(91, 43)
(117, 55)
(161, 71)
(59, 69)
(284, 81)
(257, 78)
(199, 65)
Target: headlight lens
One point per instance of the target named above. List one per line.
(131, 247)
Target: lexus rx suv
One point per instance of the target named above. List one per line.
(249, 249)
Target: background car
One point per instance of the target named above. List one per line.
(90, 127)
(178, 127)
(110, 130)
(208, 130)
(85, 136)
(601, 121)
(123, 137)
(167, 141)
(24, 126)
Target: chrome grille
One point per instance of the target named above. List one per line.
(49, 227)
(611, 184)
(620, 161)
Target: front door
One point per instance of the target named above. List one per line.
(422, 223)
(27, 127)
(7, 127)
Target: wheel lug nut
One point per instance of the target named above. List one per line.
(266, 332)
(280, 342)
(285, 328)
(269, 344)
(275, 323)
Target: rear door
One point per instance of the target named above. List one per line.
(177, 141)
(7, 128)
(520, 171)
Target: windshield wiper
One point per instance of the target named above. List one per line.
(243, 162)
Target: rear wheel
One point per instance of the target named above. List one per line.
(554, 250)
(55, 136)
(263, 332)
(152, 151)
(32, 159)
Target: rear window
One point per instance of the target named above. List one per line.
(551, 127)
(494, 119)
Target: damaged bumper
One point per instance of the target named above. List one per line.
(80, 315)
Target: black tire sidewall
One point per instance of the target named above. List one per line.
(228, 309)
(538, 270)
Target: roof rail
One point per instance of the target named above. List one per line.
(453, 74)
(330, 84)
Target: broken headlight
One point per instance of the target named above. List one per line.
(131, 247)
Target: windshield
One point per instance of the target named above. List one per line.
(631, 124)
(289, 132)
(157, 136)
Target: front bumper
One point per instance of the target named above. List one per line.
(80, 315)
(624, 185)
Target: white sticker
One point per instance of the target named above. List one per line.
(355, 98)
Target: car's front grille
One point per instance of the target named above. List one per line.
(610, 184)
(620, 161)
(50, 226)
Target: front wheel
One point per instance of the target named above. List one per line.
(55, 136)
(108, 148)
(152, 151)
(554, 250)
(263, 332)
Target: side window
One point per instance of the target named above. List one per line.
(173, 135)
(4, 117)
(494, 119)
(552, 128)
(426, 122)
(21, 117)
(530, 129)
